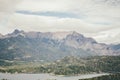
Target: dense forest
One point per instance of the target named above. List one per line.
(67, 66)
(106, 77)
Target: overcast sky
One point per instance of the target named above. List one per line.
(99, 19)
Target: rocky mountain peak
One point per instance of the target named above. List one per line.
(74, 33)
(16, 31)
(75, 36)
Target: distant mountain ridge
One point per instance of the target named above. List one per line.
(20, 45)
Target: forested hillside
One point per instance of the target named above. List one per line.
(67, 66)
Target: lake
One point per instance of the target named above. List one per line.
(45, 76)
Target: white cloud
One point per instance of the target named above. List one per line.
(108, 36)
(43, 5)
(7, 8)
(45, 23)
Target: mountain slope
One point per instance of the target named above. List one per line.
(48, 46)
(39, 48)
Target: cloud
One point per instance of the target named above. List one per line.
(108, 36)
(52, 23)
(7, 8)
(44, 5)
(54, 14)
(94, 18)
(92, 11)
(7, 5)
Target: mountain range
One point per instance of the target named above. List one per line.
(50, 46)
